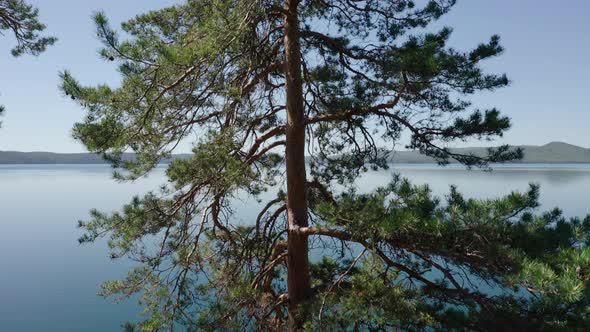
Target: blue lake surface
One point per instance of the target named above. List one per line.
(48, 282)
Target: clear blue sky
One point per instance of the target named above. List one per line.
(547, 50)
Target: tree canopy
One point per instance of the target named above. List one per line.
(298, 99)
(22, 20)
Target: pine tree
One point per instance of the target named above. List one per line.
(305, 96)
(23, 20)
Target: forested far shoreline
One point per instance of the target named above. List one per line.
(551, 153)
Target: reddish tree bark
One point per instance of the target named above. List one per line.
(298, 280)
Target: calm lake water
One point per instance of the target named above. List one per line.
(48, 282)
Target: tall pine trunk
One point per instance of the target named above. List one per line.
(298, 280)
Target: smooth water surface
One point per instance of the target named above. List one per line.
(48, 282)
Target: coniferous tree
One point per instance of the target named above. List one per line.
(305, 96)
(22, 20)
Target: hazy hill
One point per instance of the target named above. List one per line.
(14, 157)
(554, 152)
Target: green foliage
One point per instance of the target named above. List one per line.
(212, 164)
(23, 20)
(481, 259)
(368, 295)
(212, 72)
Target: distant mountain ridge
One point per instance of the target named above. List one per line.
(554, 152)
(15, 157)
